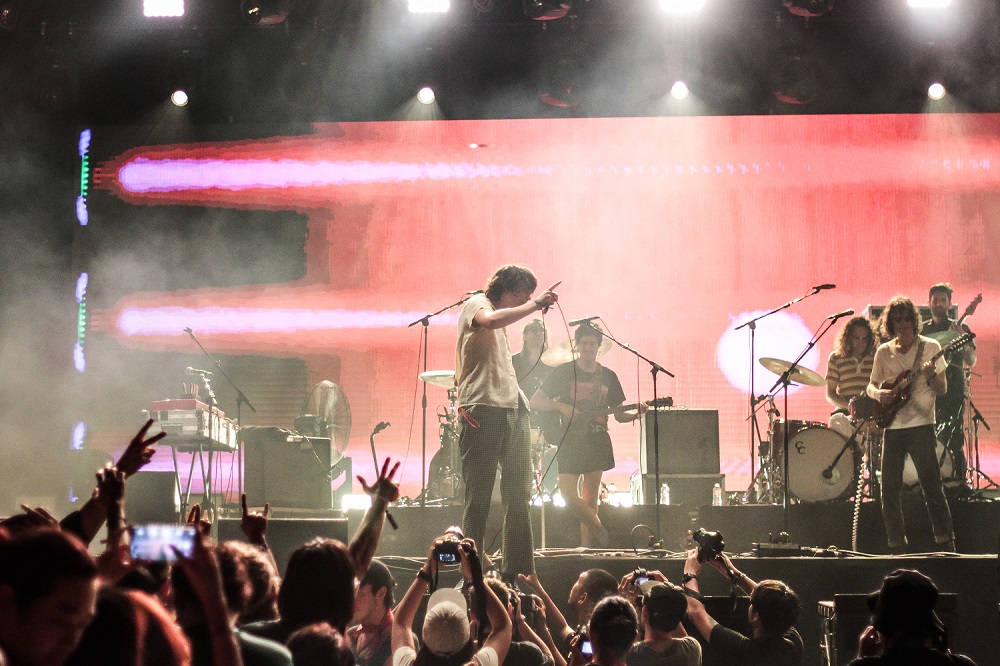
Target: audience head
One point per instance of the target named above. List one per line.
(774, 607)
(318, 585)
(48, 591)
(374, 595)
(613, 629)
(664, 605)
(446, 635)
(131, 628)
(319, 645)
(235, 588)
(592, 586)
(262, 602)
(904, 607)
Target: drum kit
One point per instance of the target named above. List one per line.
(825, 460)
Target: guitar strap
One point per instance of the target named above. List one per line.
(920, 355)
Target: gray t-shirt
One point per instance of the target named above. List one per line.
(484, 372)
(684, 651)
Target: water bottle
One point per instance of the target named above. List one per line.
(635, 487)
(665, 494)
(717, 495)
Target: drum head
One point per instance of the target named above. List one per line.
(945, 462)
(810, 452)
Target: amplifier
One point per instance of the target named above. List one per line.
(689, 441)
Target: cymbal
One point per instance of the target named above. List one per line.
(564, 352)
(442, 378)
(801, 375)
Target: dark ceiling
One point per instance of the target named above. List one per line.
(101, 62)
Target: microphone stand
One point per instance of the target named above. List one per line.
(783, 381)
(751, 325)
(241, 399)
(425, 321)
(654, 368)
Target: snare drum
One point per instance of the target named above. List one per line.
(810, 452)
(862, 408)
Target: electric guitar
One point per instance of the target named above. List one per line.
(885, 414)
(946, 336)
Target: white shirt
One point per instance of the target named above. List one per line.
(484, 371)
(889, 363)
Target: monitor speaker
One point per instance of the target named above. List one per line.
(689, 441)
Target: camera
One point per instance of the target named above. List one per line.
(446, 548)
(157, 542)
(710, 544)
(639, 576)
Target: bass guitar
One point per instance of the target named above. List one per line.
(885, 414)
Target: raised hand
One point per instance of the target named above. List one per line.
(110, 484)
(253, 523)
(138, 454)
(384, 488)
(202, 525)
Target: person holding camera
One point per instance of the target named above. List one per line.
(591, 587)
(447, 638)
(527, 648)
(610, 634)
(662, 607)
(774, 609)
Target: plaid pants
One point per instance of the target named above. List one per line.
(489, 436)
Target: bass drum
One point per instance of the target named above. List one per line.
(777, 434)
(810, 452)
(945, 462)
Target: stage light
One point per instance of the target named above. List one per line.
(9, 12)
(429, 6)
(264, 12)
(936, 91)
(679, 90)
(808, 8)
(547, 10)
(162, 8)
(794, 77)
(928, 4)
(355, 502)
(425, 96)
(179, 98)
(681, 6)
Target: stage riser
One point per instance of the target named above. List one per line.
(977, 526)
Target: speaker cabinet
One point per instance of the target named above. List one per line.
(843, 619)
(284, 535)
(292, 474)
(689, 441)
(152, 497)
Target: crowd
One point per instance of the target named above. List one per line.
(225, 605)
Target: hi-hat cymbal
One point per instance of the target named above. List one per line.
(564, 352)
(800, 375)
(442, 378)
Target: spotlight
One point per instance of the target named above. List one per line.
(794, 77)
(928, 4)
(936, 91)
(546, 10)
(681, 6)
(429, 6)
(562, 87)
(9, 14)
(808, 8)
(425, 96)
(679, 90)
(162, 8)
(179, 98)
(264, 12)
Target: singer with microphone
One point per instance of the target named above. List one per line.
(493, 412)
(584, 392)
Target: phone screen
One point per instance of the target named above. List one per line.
(156, 542)
(586, 647)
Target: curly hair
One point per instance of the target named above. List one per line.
(844, 337)
(510, 278)
(900, 305)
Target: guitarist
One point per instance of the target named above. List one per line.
(951, 406)
(912, 430)
(584, 391)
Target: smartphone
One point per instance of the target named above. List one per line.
(639, 580)
(155, 542)
(586, 647)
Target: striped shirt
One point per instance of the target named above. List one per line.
(850, 373)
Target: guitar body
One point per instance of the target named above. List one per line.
(886, 414)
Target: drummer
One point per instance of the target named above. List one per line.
(849, 369)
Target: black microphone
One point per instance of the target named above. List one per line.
(195, 371)
(845, 313)
(585, 320)
(380, 427)
(821, 287)
(473, 293)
